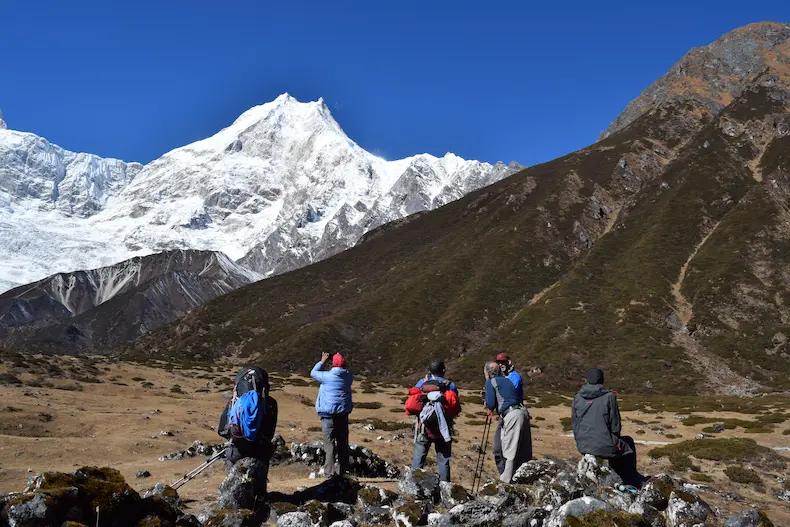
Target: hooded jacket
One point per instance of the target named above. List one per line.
(334, 394)
(596, 422)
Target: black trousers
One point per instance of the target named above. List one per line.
(625, 465)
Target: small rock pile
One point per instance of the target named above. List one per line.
(197, 448)
(363, 462)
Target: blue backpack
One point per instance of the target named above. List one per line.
(245, 415)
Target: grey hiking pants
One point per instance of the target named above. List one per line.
(335, 430)
(444, 451)
(516, 441)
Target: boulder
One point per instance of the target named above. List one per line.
(686, 510)
(342, 523)
(220, 517)
(31, 509)
(748, 518)
(372, 496)
(439, 519)
(419, 484)
(373, 515)
(410, 512)
(166, 493)
(651, 516)
(597, 470)
(576, 508)
(564, 487)
(452, 494)
(536, 470)
(294, 519)
(655, 493)
(503, 496)
(245, 480)
(318, 512)
(475, 514)
(362, 462)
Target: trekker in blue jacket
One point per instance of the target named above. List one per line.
(509, 371)
(333, 405)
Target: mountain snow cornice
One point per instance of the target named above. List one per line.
(281, 187)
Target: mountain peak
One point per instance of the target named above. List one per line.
(3, 124)
(715, 74)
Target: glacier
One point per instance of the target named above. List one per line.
(281, 187)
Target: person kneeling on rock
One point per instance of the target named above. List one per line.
(595, 416)
(333, 405)
(501, 396)
(249, 421)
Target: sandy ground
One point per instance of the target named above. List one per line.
(120, 421)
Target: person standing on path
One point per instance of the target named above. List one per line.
(333, 405)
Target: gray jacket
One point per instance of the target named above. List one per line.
(596, 422)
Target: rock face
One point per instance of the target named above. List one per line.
(713, 75)
(111, 305)
(245, 481)
(282, 187)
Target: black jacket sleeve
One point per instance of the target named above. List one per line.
(614, 415)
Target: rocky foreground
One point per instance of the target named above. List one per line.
(545, 493)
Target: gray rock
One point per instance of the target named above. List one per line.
(374, 516)
(245, 480)
(452, 494)
(220, 517)
(576, 508)
(503, 496)
(439, 519)
(597, 471)
(748, 518)
(319, 512)
(294, 519)
(420, 484)
(372, 496)
(536, 470)
(143, 474)
(650, 515)
(475, 513)
(34, 509)
(166, 493)
(655, 493)
(562, 488)
(686, 510)
(342, 523)
(410, 512)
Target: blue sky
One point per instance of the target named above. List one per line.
(495, 80)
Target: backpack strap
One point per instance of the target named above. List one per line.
(499, 399)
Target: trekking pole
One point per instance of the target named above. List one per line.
(478, 474)
(197, 470)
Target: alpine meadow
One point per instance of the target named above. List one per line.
(278, 324)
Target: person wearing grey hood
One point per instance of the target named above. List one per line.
(596, 428)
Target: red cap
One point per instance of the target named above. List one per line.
(338, 361)
(502, 357)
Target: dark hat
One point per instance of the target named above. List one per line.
(594, 376)
(437, 367)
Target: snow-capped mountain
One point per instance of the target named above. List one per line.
(281, 187)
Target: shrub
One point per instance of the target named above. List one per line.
(368, 405)
(742, 475)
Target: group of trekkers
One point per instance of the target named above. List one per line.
(250, 418)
